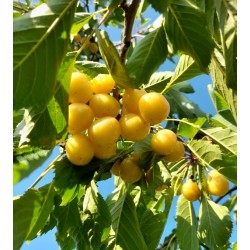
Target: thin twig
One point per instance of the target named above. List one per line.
(229, 192)
(51, 165)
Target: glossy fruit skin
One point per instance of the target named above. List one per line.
(130, 100)
(80, 90)
(130, 172)
(217, 184)
(79, 150)
(163, 142)
(133, 127)
(104, 131)
(115, 170)
(93, 48)
(191, 191)
(177, 153)
(102, 83)
(104, 152)
(80, 117)
(154, 108)
(77, 38)
(104, 105)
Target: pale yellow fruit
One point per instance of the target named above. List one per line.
(217, 184)
(105, 152)
(102, 83)
(80, 90)
(154, 108)
(133, 127)
(130, 99)
(130, 172)
(104, 105)
(80, 117)
(191, 191)
(177, 152)
(77, 38)
(115, 169)
(93, 48)
(85, 42)
(163, 142)
(104, 131)
(79, 150)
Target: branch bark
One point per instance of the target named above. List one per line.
(129, 18)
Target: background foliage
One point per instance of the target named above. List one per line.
(203, 36)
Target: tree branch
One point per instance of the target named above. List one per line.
(230, 191)
(129, 18)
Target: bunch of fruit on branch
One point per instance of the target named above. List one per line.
(97, 120)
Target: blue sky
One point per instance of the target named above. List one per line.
(201, 96)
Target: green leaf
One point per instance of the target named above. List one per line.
(152, 225)
(177, 180)
(223, 137)
(231, 202)
(68, 177)
(125, 225)
(209, 154)
(159, 175)
(40, 43)
(220, 121)
(147, 56)
(92, 69)
(180, 104)
(114, 4)
(186, 28)
(187, 225)
(69, 226)
(227, 28)
(158, 81)
(99, 216)
(215, 225)
(205, 151)
(30, 212)
(112, 60)
(190, 130)
(186, 69)
(80, 19)
(159, 5)
(26, 161)
(218, 77)
(39, 219)
(218, 100)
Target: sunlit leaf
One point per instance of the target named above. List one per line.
(40, 40)
(187, 225)
(80, 19)
(99, 215)
(112, 60)
(92, 69)
(147, 56)
(30, 212)
(123, 215)
(40, 218)
(187, 30)
(223, 137)
(190, 130)
(211, 155)
(186, 69)
(158, 81)
(215, 225)
(27, 161)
